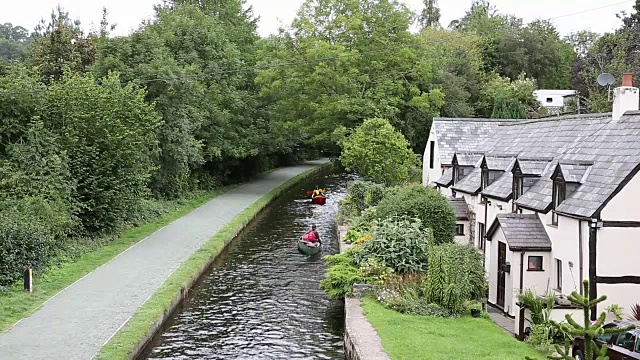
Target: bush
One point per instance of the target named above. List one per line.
(455, 276)
(25, 241)
(364, 222)
(400, 242)
(465, 262)
(423, 203)
(441, 287)
(361, 195)
(344, 271)
(409, 298)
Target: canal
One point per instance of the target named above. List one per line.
(261, 299)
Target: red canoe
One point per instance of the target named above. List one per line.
(319, 200)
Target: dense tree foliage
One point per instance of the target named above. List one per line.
(379, 153)
(14, 42)
(93, 127)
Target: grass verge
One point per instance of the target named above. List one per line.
(424, 337)
(146, 319)
(16, 304)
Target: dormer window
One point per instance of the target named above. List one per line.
(559, 195)
(518, 190)
(566, 179)
(484, 178)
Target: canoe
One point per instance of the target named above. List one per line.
(309, 248)
(319, 200)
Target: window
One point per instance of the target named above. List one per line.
(559, 194)
(558, 274)
(549, 100)
(485, 178)
(456, 174)
(459, 229)
(432, 146)
(535, 263)
(626, 341)
(605, 338)
(482, 234)
(517, 191)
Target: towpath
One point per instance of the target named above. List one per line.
(79, 320)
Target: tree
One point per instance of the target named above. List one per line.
(582, 41)
(379, 153)
(588, 330)
(430, 16)
(346, 72)
(502, 98)
(212, 123)
(511, 48)
(60, 46)
(14, 42)
(109, 135)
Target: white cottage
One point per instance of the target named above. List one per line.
(551, 201)
(554, 100)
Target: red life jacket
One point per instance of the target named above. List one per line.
(310, 236)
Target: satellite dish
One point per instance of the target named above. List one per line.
(606, 79)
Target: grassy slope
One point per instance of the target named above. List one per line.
(422, 337)
(124, 341)
(17, 304)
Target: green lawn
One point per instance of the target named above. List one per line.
(414, 337)
(17, 304)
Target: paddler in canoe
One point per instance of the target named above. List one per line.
(310, 243)
(317, 196)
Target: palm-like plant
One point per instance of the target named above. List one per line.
(635, 312)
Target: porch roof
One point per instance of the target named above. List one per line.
(460, 208)
(522, 232)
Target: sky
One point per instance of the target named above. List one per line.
(128, 14)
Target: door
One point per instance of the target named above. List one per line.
(502, 261)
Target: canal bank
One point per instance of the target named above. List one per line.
(75, 323)
(261, 298)
(361, 341)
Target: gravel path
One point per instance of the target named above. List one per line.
(78, 321)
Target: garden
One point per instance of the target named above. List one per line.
(426, 291)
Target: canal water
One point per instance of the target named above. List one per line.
(261, 299)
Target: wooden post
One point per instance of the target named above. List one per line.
(28, 280)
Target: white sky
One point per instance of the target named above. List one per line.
(129, 13)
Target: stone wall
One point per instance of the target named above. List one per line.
(361, 341)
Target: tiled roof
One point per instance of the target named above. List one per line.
(460, 207)
(446, 178)
(533, 166)
(613, 147)
(574, 172)
(522, 232)
(499, 162)
(470, 184)
(468, 159)
(501, 188)
(463, 135)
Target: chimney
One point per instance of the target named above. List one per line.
(625, 98)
